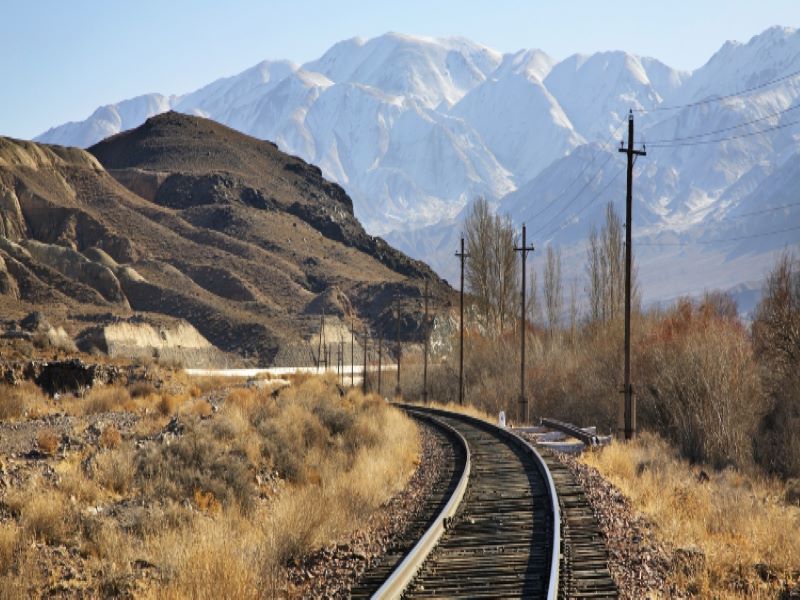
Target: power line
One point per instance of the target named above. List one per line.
(585, 168)
(718, 98)
(725, 139)
(722, 241)
(575, 197)
(724, 129)
(759, 212)
(587, 205)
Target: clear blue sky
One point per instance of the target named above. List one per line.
(60, 59)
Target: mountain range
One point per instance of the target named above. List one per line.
(416, 128)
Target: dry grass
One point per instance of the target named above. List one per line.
(197, 511)
(736, 521)
(110, 438)
(24, 400)
(115, 469)
(466, 409)
(47, 441)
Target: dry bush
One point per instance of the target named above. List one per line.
(223, 557)
(170, 403)
(24, 400)
(198, 407)
(75, 484)
(115, 470)
(141, 389)
(776, 337)
(106, 399)
(47, 441)
(702, 388)
(110, 438)
(196, 460)
(737, 521)
(47, 515)
(9, 545)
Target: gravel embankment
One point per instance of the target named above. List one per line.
(638, 561)
(332, 571)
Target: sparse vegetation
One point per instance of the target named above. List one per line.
(220, 502)
(737, 534)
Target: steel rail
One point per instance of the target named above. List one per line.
(404, 573)
(541, 466)
(570, 429)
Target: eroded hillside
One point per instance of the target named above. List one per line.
(186, 218)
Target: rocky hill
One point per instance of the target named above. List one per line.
(187, 219)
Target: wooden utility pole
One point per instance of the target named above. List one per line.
(322, 347)
(352, 351)
(397, 390)
(523, 399)
(364, 373)
(630, 401)
(380, 364)
(425, 352)
(463, 257)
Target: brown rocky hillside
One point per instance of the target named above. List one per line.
(186, 219)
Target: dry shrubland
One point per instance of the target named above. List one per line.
(223, 503)
(743, 537)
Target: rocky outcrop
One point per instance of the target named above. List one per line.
(174, 341)
(76, 266)
(73, 376)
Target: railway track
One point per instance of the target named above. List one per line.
(499, 533)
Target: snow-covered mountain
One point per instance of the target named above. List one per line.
(416, 128)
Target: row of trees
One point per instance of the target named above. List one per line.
(492, 274)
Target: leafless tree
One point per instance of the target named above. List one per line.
(605, 268)
(491, 270)
(553, 289)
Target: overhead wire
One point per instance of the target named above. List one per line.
(578, 177)
(724, 129)
(720, 241)
(719, 98)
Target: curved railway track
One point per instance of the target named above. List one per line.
(499, 539)
(495, 524)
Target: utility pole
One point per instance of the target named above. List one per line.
(523, 399)
(341, 352)
(321, 347)
(364, 373)
(397, 390)
(352, 350)
(463, 257)
(380, 365)
(425, 353)
(630, 401)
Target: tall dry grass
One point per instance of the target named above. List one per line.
(744, 530)
(193, 506)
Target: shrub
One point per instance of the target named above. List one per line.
(110, 438)
(47, 441)
(776, 335)
(105, 399)
(196, 460)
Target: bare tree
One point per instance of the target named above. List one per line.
(506, 276)
(605, 268)
(478, 234)
(553, 290)
(573, 308)
(491, 271)
(594, 290)
(534, 308)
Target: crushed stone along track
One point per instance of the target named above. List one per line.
(454, 457)
(498, 544)
(583, 571)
